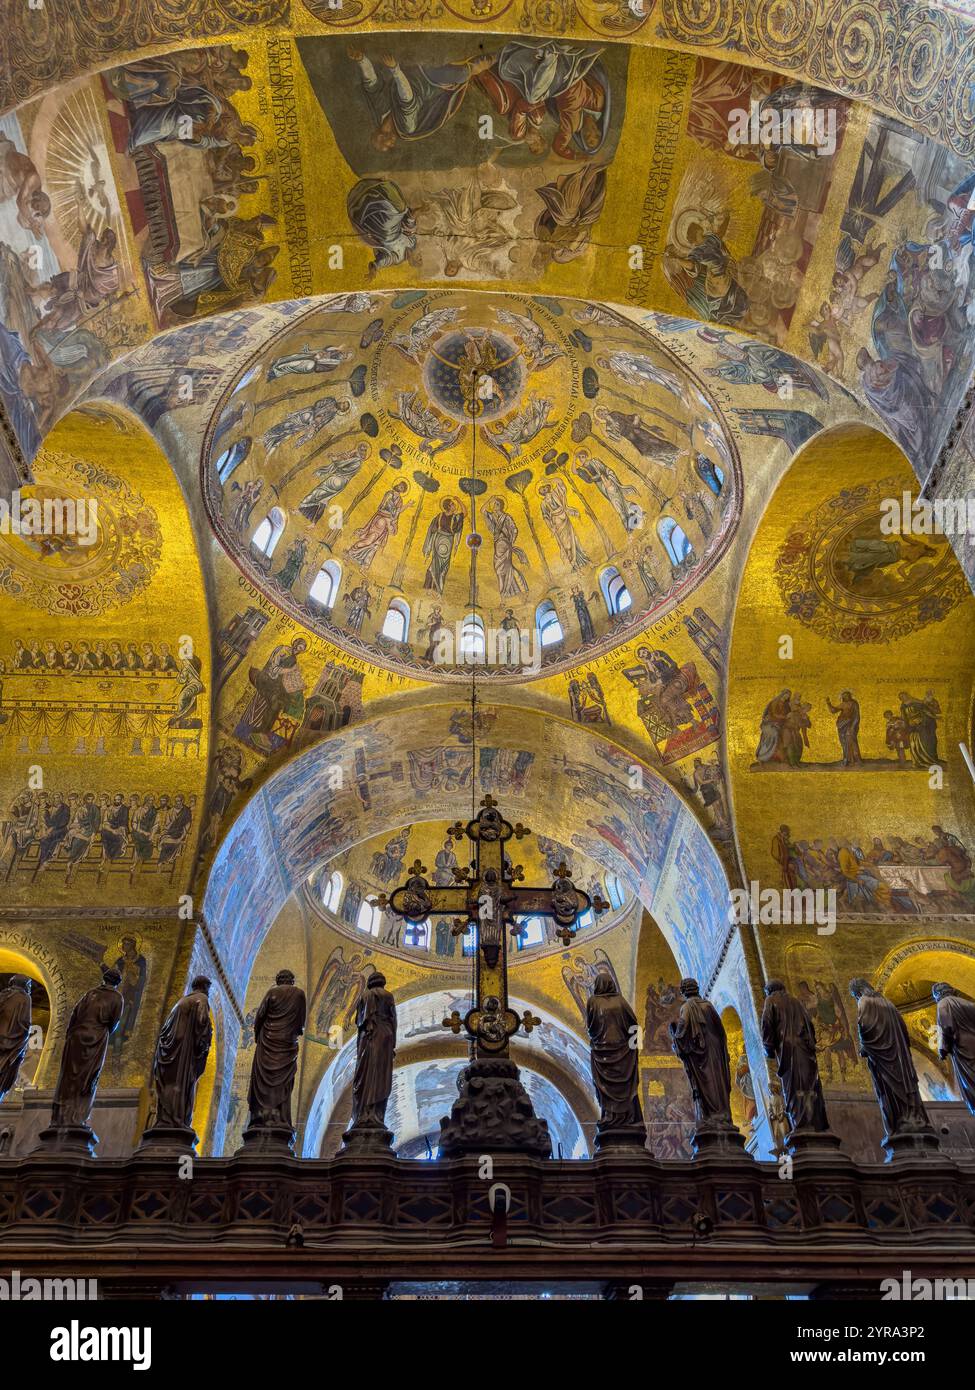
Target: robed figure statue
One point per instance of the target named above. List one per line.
(14, 1029)
(698, 1038)
(375, 1021)
(180, 1059)
(956, 1038)
(278, 1024)
(788, 1036)
(615, 1060)
(93, 1020)
(885, 1043)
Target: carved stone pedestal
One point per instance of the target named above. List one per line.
(492, 1114)
(259, 1141)
(715, 1140)
(612, 1139)
(921, 1143)
(67, 1139)
(367, 1139)
(168, 1141)
(821, 1143)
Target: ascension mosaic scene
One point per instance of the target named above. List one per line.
(487, 648)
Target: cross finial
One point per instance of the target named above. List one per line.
(599, 904)
(489, 802)
(457, 831)
(563, 871)
(381, 901)
(461, 875)
(529, 1021)
(565, 934)
(418, 868)
(458, 926)
(453, 1022)
(521, 830)
(517, 873)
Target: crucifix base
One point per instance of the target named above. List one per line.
(493, 1114)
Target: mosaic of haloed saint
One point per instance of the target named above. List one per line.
(395, 463)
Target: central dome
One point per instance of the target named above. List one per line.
(406, 473)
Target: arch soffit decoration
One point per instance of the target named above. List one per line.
(825, 42)
(537, 766)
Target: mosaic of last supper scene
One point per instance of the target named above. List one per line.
(487, 648)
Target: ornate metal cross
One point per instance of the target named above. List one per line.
(488, 900)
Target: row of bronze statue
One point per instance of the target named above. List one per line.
(698, 1039)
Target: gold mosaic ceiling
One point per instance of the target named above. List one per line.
(461, 452)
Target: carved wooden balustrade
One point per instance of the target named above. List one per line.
(359, 1222)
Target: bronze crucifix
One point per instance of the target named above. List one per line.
(488, 898)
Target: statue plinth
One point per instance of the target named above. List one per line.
(367, 1139)
(913, 1143)
(718, 1139)
(260, 1141)
(620, 1138)
(493, 1113)
(168, 1141)
(819, 1142)
(67, 1139)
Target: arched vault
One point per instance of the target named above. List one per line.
(563, 780)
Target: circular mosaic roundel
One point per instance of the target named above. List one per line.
(475, 375)
(848, 580)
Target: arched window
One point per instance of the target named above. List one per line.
(232, 458)
(396, 624)
(417, 934)
(267, 535)
(547, 623)
(369, 918)
(615, 890)
(586, 919)
(532, 933)
(332, 891)
(247, 378)
(615, 592)
(468, 942)
(676, 544)
(472, 639)
(709, 473)
(325, 588)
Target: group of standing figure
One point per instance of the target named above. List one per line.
(697, 1037)
(180, 1059)
(789, 1039)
